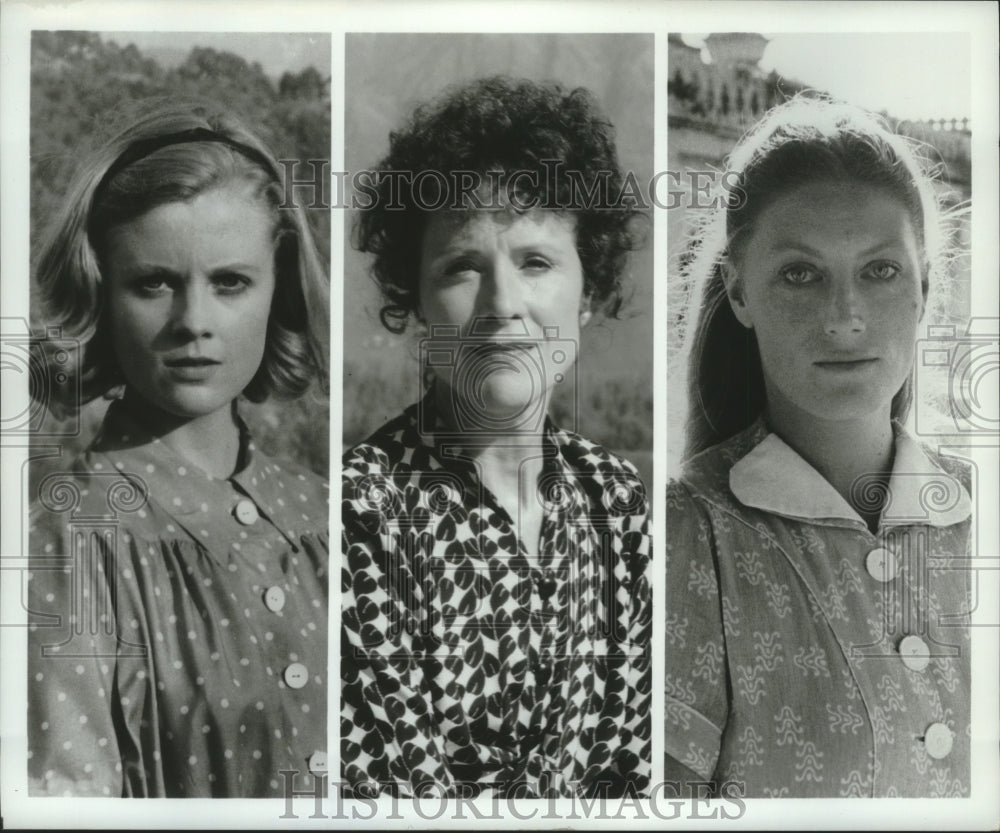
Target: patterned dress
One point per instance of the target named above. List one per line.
(807, 656)
(178, 625)
(470, 663)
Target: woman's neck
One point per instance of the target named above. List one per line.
(509, 464)
(211, 442)
(842, 451)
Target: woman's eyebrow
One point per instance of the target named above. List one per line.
(453, 250)
(148, 270)
(793, 246)
(798, 246)
(235, 267)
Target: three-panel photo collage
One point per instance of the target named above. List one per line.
(505, 418)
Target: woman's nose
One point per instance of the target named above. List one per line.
(193, 310)
(845, 311)
(503, 295)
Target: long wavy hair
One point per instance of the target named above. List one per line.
(168, 151)
(803, 141)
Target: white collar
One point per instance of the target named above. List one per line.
(773, 477)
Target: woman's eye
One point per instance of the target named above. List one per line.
(458, 268)
(536, 264)
(799, 274)
(151, 286)
(882, 270)
(229, 283)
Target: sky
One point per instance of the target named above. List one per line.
(919, 75)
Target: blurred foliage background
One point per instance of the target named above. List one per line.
(81, 81)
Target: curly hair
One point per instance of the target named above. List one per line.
(172, 150)
(526, 130)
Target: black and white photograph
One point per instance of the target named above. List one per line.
(496, 600)
(538, 414)
(178, 588)
(819, 585)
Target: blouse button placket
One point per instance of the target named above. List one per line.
(914, 652)
(882, 564)
(246, 512)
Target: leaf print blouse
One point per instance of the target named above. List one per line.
(807, 656)
(467, 660)
(178, 624)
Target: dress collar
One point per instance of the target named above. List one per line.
(180, 486)
(773, 477)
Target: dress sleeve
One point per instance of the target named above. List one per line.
(72, 741)
(389, 735)
(634, 760)
(696, 703)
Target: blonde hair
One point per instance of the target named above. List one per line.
(172, 150)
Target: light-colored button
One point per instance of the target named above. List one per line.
(246, 512)
(915, 653)
(938, 739)
(274, 598)
(296, 675)
(317, 763)
(881, 564)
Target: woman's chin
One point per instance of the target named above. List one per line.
(503, 406)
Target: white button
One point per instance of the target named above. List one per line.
(881, 564)
(246, 512)
(296, 675)
(274, 598)
(915, 653)
(938, 739)
(317, 763)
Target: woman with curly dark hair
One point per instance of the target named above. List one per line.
(496, 604)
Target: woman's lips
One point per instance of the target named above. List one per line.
(846, 365)
(192, 368)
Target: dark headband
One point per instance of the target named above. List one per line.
(146, 147)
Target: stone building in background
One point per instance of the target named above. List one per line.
(711, 104)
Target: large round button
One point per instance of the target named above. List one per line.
(915, 653)
(881, 564)
(296, 675)
(274, 598)
(317, 763)
(938, 739)
(547, 585)
(246, 512)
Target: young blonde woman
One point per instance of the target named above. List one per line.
(179, 584)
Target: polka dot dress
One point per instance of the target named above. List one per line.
(178, 629)
(468, 660)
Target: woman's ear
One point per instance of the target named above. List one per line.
(736, 293)
(585, 313)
